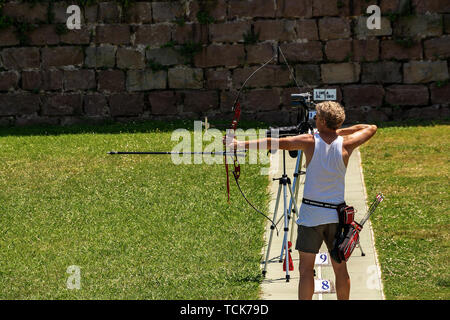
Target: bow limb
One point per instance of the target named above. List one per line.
(246, 80)
(237, 168)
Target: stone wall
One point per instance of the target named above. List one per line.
(186, 59)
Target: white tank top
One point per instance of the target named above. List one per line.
(325, 182)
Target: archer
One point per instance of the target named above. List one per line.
(327, 154)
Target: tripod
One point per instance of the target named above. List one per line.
(297, 174)
(284, 184)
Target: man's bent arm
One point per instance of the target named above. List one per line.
(361, 135)
(352, 129)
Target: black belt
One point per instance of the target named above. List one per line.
(321, 204)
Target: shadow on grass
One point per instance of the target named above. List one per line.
(115, 128)
(103, 128)
(165, 126)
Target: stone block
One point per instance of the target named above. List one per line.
(295, 8)
(8, 80)
(434, 112)
(24, 12)
(431, 6)
(270, 75)
(437, 48)
(139, 12)
(339, 50)
(142, 80)
(91, 13)
(407, 95)
(259, 53)
(281, 30)
(308, 74)
(165, 56)
(229, 32)
(325, 8)
(154, 35)
(34, 119)
(390, 6)
(167, 11)
(43, 35)
(58, 104)
(20, 58)
(262, 100)
(447, 23)
(251, 8)
(18, 104)
(331, 28)
(395, 49)
(362, 32)
(340, 72)
(124, 104)
(366, 50)
(220, 55)
(183, 77)
(42, 80)
(306, 29)
(111, 80)
(303, 52)
(440, 93)
(200, 101)
(62, 56)
(419, 26)
(79, 80)
(216, 9)
(82, 36)
(113, 34)
(192, 32)
(8, 37)
(95, 105)
(363, 95)
(128, 58)
(381, 72)
(163, 102)
(425, 71)
(218, 78)
(108, 12)
(101, 57)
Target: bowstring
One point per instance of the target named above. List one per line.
(306, 85)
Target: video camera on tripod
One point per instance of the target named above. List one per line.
(305, 117)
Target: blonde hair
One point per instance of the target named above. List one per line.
(332, 112)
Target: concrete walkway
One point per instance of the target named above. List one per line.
(364, 271)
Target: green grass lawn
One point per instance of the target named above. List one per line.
(411, 165)
(139, 227)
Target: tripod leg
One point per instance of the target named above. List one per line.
(297, 172)
(296, 189)
(286, 229)
(271, 231)
(286, 217)
(292, 197)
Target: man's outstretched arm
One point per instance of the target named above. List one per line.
(290, 143)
